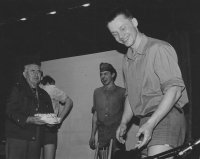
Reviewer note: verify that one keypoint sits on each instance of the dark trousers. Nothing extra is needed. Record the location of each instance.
(23, 149)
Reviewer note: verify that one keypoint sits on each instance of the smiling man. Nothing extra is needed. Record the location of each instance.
(107, 110)
(154, 84)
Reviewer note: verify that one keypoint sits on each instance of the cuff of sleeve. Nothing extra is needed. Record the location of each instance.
(174, 82)
(93, 110)
(22, 121)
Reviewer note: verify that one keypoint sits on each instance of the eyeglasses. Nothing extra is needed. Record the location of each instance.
(34, 72)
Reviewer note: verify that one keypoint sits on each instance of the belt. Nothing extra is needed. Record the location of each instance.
(150, 113)
(103, 148)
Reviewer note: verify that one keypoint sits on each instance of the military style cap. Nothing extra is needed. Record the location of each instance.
(106, 67)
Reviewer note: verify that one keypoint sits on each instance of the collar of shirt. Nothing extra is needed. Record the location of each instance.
(49, 86)
(131, 54)
(110, 89)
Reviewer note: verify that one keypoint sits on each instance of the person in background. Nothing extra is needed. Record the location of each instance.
(58, 98)
(24, 131)
(107, 111)
(154, 84)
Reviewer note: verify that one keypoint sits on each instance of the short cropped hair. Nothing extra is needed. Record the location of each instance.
(47, 79)
(27, 66)
(118, 11)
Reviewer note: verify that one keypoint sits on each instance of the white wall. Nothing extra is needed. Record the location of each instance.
(78, 77)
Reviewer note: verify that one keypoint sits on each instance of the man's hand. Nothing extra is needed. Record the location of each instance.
(92, 143)
(146, 130)
(35, 120)
(120, 133)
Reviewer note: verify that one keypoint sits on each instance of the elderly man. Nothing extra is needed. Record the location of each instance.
(107, 110)
(24, 131)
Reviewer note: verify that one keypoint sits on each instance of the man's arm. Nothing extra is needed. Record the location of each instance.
(13, 111)
(66, 109)
(169, 99)
(127, 115)
(94, 130)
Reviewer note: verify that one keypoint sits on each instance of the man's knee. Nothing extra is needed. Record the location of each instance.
(156, 149)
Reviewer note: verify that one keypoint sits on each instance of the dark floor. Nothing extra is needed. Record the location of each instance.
(2, 152)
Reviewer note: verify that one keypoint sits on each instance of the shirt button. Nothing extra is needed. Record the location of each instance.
(33, 138)
(18, 120)
(105, 115)
(36, 109)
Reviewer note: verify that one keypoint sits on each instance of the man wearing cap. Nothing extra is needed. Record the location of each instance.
(107, 110)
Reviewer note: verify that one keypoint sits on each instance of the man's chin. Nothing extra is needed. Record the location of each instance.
(105, 84)
(35, 82)
(128, 44)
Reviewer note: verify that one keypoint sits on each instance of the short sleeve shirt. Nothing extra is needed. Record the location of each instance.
(56, 95)
(149, 72)
(109, 104)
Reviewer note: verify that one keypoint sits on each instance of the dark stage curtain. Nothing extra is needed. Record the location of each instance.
(180, 41)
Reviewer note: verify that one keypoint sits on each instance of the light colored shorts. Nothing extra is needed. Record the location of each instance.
(170, 131)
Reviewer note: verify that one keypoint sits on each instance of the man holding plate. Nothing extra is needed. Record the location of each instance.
(25, 132)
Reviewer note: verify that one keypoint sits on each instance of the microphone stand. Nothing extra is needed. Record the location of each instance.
(178, 151)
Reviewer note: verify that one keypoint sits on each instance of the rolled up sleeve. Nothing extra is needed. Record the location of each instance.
(167, 69)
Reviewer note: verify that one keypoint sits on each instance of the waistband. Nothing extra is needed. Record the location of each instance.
(103, 148)
(150, 113)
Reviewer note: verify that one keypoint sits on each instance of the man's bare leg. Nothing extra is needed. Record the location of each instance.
(154, 150)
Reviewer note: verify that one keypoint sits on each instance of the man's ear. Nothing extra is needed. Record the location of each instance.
(113, 75)
(24, 74)
(135, 22)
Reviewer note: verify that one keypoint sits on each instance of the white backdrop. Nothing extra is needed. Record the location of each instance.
(78, 77)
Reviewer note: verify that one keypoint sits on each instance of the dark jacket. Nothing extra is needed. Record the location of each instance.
(20, 105)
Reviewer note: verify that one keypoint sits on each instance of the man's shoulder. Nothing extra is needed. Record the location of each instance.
(19, 87)
(158, 42)
(98, 89)
(42, 91)
(49, 87)
(118, 88)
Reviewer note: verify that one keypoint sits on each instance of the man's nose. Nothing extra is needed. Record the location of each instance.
(121, 36)
(36, 74)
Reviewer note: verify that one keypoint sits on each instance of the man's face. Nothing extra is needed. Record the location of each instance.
(33, 74)
(124, 30)
(106, 77)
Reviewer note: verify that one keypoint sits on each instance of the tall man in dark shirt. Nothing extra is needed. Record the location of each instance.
(107, 110)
